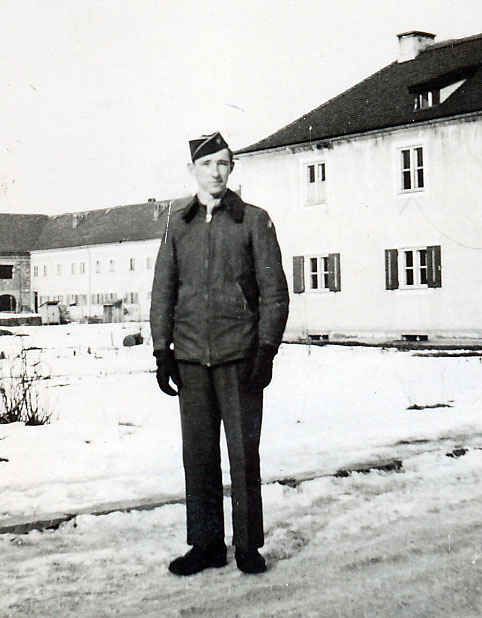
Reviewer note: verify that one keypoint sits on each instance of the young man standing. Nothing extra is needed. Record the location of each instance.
(220, 298)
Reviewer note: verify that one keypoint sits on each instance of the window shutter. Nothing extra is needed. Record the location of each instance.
(334, 275)
(434, 266)
(298, 274)
(391, 269)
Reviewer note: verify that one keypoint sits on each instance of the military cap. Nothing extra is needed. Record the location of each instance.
(206, 145)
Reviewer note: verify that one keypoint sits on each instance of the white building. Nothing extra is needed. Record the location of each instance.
(93, 259)
(376, 197)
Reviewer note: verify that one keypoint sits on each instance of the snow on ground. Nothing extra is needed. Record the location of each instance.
(382, 544)
(406, 545)
(115, 436)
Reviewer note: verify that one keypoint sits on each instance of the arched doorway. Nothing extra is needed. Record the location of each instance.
(8, 302)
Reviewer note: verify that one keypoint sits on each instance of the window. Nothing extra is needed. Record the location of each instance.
(97, 266)
(148, 263)
(411, 268)
(435, 94)
(315, 183)
(324, 273)
(6, 271)
(59, 269)
(132, 264)
(111, 266)
(131, 297)
(82, 268)
(426, 99)
(35, 271)
(319, 273)
(73, 268)
(412, 176)
(45, 270)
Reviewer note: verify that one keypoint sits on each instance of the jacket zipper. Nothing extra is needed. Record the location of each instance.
(209, 223)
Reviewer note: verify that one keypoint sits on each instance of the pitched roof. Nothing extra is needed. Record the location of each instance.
(107, 225)
(19, 233)
(386, 98)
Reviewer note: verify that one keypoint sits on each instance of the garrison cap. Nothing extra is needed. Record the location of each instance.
(206, 145)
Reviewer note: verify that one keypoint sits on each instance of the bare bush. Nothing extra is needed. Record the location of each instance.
(19, 394)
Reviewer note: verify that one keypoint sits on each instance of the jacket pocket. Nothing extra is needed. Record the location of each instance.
(249, 292)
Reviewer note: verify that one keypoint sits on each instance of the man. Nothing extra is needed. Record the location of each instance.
(220, 297)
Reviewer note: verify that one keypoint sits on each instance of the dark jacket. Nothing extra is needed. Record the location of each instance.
(219, 289)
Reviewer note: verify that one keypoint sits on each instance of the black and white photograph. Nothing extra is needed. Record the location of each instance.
(240, 309)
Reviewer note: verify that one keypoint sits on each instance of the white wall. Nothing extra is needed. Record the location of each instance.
(365, 213)
(121, 281)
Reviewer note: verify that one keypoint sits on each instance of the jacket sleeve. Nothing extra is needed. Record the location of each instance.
(164, 293)
(271, 280)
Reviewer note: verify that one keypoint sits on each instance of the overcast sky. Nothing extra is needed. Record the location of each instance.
(99, 97)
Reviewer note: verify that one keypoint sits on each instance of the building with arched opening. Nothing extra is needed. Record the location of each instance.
(18, 235)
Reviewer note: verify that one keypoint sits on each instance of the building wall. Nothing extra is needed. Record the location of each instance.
(19, 285)
(107, 275)
(366, 213)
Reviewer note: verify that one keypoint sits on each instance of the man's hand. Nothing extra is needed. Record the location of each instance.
(261, 368)
(167, 368)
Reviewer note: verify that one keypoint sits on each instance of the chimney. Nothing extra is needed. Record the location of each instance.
(412, 43)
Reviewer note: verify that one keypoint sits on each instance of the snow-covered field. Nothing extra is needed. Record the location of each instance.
(378, 544)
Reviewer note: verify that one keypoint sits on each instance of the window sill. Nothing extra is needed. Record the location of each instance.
(416, 290)
(410, 192)
(321, 291)
(310, 204)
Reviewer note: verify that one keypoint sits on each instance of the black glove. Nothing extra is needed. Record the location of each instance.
(262, 367)
(167, 368)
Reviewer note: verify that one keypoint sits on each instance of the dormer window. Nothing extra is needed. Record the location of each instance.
(77, 219)
(438, 91)
(426, 99)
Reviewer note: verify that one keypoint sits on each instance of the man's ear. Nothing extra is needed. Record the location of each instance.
(232, 165)
(190, 167)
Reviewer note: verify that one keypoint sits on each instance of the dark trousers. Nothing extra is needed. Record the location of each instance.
(208, 396)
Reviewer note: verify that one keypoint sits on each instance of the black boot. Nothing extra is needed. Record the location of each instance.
(199, 558)
(250, 561)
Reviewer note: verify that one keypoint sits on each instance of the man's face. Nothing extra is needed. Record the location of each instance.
(212, 172)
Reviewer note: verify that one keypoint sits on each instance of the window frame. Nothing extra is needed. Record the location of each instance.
(413, 169)
(319, 168)
(416, 268)
(10, 269)
(322, 273)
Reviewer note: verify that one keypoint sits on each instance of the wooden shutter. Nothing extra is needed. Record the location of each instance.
(298, 274)
(391, 269)
(334, 275)
(434, 266)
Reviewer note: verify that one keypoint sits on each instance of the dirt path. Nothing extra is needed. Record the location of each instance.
(380, 545)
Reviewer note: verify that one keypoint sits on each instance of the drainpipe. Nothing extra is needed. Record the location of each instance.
(89, 287)
(20, 287)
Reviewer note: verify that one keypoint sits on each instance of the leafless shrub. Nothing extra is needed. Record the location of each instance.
(19, 393)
